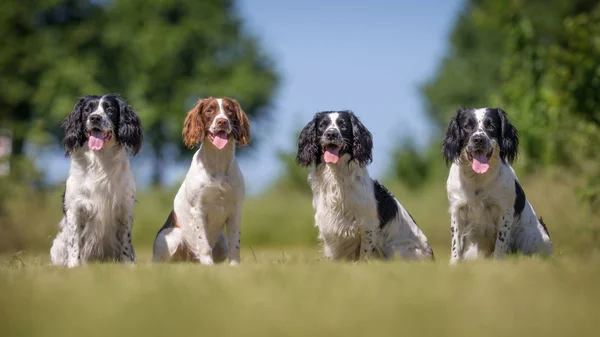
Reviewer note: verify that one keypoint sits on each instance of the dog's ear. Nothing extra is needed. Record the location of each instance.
(509, 138)
(74, 128)
(129, 132)
(452, 145)
(308, 149)
(241, 132)
(362, 148)
(194, 130)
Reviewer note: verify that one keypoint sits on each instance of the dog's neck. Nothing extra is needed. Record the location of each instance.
(338, 180)
(104, 166)
(215, 160)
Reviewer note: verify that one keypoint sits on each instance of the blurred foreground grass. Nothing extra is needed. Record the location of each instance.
(294, 293)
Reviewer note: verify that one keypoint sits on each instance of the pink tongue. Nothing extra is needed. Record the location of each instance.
(480, 162)
(220, 140)
(331, 155)
(96, 141)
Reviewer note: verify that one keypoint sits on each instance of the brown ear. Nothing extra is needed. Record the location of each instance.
(193, 126)
(242, 136)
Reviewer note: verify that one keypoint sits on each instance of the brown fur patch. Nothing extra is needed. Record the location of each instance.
(199, 119)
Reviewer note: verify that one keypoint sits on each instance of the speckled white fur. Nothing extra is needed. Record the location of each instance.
(99, 201)
(346, 216)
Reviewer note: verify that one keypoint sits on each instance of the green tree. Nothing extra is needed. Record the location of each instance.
(163, 55)
(46, 60)
(160, 55)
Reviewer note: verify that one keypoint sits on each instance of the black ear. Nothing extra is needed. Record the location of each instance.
(129, 132)
(308, 149)
(509, 140)
(452, 145)
(74, 128)
(362, 148)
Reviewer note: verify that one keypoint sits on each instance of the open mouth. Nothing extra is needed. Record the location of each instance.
(331, 153)
(219, 139)
(479, 160)
(97, 138)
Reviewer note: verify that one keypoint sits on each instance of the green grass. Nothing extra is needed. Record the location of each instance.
(284, 288)
(295, 293)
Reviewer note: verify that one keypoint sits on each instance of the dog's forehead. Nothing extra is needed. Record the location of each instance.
(109, 101)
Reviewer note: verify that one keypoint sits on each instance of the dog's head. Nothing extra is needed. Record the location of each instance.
(480, 137)
(330, 135)
(218, 120)
(102, 121)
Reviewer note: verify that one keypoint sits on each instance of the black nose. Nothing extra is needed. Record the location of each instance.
(478, 139)
(331, 134)
(95, 118)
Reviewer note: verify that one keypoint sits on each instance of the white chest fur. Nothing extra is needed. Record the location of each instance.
(344, 204)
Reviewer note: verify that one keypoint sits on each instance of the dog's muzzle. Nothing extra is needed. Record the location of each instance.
(331, 143)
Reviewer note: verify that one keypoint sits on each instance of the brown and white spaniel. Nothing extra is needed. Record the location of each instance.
(210, 198)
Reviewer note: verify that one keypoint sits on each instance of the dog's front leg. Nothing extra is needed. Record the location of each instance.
(368, 242)
(127, 254)
(456, 237)
(203, 250)
(233, 236)
(504, 225)
(73, 238)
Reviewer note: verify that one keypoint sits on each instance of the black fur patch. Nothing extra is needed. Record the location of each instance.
(544, 225)
(64, 206)
(520, 199)
(387, 208)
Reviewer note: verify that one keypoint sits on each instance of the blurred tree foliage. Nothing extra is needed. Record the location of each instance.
(160, 55)
(540, 61)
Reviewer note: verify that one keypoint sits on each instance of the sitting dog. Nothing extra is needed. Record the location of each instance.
(357, 217)
(100, 191)
(210, 198)
(490, 215)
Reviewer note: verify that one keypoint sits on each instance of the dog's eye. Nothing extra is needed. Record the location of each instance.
(88, 109)
(209, 111)
(468, 126)
(110, 110)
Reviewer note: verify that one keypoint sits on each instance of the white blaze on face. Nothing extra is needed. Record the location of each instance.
(332, 152)
(218, 137)
(97, 137)
(480, 162)
(480, 115)
(334, 117)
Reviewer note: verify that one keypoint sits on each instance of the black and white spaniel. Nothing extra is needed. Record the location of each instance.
(490, 215)
(100, 191)
(357, 217)
(210, 198)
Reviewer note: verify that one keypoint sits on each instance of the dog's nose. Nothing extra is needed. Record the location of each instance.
(478, 139)
(95, 118)
(330, 135)
(222, 122)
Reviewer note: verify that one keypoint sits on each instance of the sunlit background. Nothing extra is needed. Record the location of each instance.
(403, 67)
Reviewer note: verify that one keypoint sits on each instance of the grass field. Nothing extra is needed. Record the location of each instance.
(284, 288)
(295, 294)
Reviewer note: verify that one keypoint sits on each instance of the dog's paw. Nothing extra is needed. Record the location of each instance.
(207, 260)
(234, 263)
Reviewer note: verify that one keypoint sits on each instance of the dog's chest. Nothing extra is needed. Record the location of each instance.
(480, 214)
(217, 198)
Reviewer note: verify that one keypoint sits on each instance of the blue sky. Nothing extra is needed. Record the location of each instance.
(366, 56)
